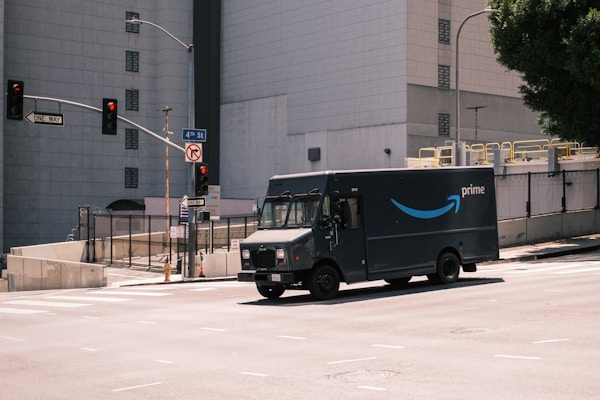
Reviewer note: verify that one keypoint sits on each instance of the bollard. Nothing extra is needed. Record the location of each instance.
(11, 282)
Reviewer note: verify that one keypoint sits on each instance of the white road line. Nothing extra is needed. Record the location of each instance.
(378, 389)
(532, 270)
(137, 387)
(14, 339)
(208, 289)
(254, 374)
(146, 322)
(164, 361)
(550, 341)
(91, 298)
(576, 271)
(517, 357)
(351, 360)
(133, 293)
(19, 311)
(38, 303)
(387, 346)
(213, 329)
(291, 337)
(89, 349)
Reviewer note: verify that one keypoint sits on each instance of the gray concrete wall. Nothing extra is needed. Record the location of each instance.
(30, 273)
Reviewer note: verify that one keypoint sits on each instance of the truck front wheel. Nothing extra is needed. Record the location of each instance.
(324, 282)
(448, 268)
(270, 291)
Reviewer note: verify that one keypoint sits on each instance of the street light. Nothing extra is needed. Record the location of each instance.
(191, 117)
(460, 154)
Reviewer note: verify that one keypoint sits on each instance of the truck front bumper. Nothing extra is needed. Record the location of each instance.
(266, 277)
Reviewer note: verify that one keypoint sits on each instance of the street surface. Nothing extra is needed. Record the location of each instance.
(525, 330)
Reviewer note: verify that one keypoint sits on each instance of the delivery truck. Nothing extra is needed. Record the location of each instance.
(318, 229)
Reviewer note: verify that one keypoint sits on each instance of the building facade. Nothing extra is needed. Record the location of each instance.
(281, 86)
(344, 84)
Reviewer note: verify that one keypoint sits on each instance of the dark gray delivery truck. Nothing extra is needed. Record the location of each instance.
(322, 228)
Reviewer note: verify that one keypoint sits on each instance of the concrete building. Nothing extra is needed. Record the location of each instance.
(333, 84)
(281, 86)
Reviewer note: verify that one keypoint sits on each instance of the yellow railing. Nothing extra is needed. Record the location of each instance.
(510, 152)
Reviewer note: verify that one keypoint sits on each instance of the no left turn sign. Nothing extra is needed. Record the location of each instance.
(193, 152)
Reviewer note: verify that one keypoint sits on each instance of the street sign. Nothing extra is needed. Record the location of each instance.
(194, 135)
(193, 152)
(196, 202)
(45, 118)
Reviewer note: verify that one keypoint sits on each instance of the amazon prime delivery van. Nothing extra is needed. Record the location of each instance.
(319, 229)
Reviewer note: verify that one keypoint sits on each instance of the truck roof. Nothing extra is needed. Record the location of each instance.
(366, 170)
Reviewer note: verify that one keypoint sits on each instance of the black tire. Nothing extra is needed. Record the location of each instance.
(448, 269)
(399, 282)
(270, 291)
(324, 282)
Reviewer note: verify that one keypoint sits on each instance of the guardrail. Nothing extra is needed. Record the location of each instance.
(510, 152)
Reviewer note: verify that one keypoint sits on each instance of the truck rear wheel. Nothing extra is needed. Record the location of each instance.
(324, 282)
(270, 291)
(448, 268)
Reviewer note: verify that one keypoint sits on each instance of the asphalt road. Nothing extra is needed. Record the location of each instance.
(517, 330)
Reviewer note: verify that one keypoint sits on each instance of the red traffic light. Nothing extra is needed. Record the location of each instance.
(14, 100)
(112, 106)
(203, 171)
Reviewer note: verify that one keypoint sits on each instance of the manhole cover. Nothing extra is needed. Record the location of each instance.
(363, 375)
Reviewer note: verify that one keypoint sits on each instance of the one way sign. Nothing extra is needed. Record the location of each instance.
(45, 118)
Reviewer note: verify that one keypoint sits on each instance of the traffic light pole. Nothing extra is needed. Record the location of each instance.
(129, 122)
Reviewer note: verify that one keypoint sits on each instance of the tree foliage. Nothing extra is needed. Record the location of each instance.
(555, 45)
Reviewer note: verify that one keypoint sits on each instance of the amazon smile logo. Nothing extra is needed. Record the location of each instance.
(453, 203)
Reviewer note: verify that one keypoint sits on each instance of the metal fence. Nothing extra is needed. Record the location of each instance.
(537, 193)
(148, 239)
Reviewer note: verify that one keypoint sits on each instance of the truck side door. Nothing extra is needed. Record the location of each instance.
(349, 237)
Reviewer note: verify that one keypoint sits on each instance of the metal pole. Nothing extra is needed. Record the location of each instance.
(476, 108)
(456, 67)
(168, 220)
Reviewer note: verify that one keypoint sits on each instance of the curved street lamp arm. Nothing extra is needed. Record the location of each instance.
(189, 47)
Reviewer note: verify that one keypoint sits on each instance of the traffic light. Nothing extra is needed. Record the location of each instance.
(14, 100)
(109, 116)
(201, 180)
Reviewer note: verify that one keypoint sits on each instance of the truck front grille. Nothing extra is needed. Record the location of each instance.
(264, 259)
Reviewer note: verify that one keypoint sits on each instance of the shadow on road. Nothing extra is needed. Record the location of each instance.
(370, 293)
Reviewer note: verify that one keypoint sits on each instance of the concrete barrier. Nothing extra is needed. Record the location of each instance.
(30, 273)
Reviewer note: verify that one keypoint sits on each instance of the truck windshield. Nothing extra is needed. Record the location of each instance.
(303, 210)
(274, 211)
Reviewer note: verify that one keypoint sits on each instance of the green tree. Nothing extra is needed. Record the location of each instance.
(555, 45)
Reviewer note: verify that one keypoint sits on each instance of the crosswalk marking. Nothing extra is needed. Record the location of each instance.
(37, 303)
(4, 310)
(133, 293)
(92, 298)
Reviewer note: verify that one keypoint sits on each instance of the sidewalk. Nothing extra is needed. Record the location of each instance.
(123, 276)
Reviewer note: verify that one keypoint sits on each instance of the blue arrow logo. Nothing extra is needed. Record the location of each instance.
(429, 214)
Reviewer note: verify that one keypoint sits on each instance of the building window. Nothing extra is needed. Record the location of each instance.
(132, 61)
(132, 100)
(131, 139)
(444, 124)
(131, 28)
(131, 178)
(444, 31)
(444, 76)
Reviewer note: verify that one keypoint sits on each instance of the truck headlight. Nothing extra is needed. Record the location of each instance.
(280, 254)
(246, 254)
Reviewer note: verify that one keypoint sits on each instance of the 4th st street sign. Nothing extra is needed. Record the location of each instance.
(45, 118)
